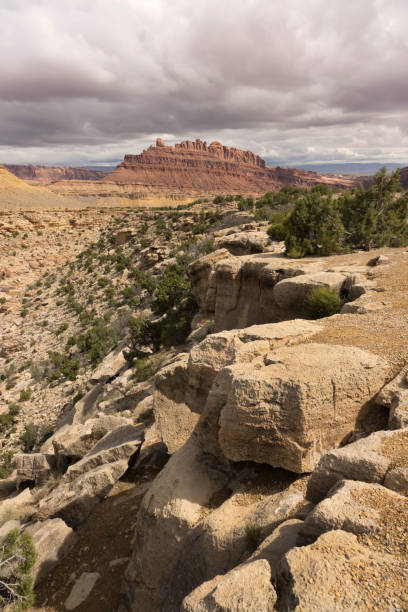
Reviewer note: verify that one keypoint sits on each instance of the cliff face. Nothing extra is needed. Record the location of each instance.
(50, 174)
(210, 168)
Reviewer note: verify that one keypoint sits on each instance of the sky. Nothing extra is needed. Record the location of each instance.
(298, 81)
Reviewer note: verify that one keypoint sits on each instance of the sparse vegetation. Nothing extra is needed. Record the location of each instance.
(17, 557)
(322, 224)
(322, 302)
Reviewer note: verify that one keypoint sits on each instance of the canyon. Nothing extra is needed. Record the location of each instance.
(245, 469)
(177, 433)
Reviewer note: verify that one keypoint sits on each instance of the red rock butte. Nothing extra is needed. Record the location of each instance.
(195, 166)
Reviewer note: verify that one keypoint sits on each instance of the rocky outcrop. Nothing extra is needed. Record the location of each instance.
(50, 174)
(294, 392)
(182, 387)
(34, 468)
(89, 480)
(239, 291)
(202, 168)
(174, 504)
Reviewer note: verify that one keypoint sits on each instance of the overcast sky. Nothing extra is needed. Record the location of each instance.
(297, 80)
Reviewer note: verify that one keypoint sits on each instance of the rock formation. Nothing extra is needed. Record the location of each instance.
(50, 174)
(214, 168)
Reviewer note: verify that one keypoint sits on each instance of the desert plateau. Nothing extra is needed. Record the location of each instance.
(203, 340)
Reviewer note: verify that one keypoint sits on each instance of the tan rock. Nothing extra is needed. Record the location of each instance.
(117, 445)
(202, 277)
(81, 589)
(227, 535)
(110, 366)
(183, 386)
(53, 540)
(72, 442)
(175, 503)
(74, 501)
(244, 243)
(368, 460)
(361, 508)
(291, 293)
(247, 587)
(315, 392)
(337, 574)
(33, 467)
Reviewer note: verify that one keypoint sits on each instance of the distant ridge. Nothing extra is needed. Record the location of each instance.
(348, 168)
(51, 174)
(17, 194)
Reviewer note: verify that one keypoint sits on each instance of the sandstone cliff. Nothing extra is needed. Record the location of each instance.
(211, 168)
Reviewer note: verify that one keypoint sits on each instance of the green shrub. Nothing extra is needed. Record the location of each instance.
(60, 330)
(6, 459)
(145, 367)
(172, 288)
(7, 419)
(103, 281)
(97, 341)
(61, 365)
(17, 557)
(322, 302)
(29, 437)
(25, 395)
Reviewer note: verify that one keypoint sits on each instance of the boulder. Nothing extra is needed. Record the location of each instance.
(74, 500)
(81, 589)
(87, 406)
(175, 418)
(16, 505)
(118, 445)
(110, 366)
(202, 277)
(276, 545)
(247, 587)
(183, 386)
(53, 540)
(244, 243)
(380, 260)
(336, 573)
(123, 236)
(304, 401)
(72, 442)
(33, 467)
(369, 459)
(291, 293)
(397, 480)
(376, 514)
(394, 396)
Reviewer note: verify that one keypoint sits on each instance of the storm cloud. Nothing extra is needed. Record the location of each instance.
(86, 82)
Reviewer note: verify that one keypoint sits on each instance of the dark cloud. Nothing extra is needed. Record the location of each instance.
(86, 82)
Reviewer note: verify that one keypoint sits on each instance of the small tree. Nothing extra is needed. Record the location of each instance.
(314, 227)
(377, 216)
(17, 557)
